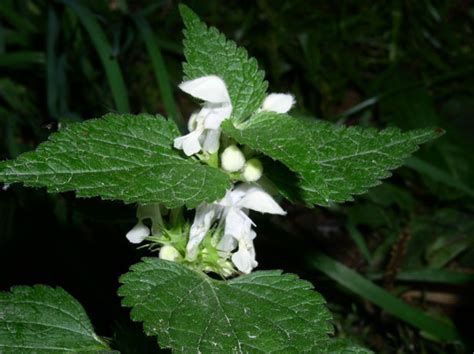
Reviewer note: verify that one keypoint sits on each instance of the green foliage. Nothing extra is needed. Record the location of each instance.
(209, 53)
(334, 162)
(264, 311)
(121, 157)
(43, 319)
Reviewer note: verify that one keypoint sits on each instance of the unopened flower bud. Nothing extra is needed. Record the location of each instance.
(232, 159)
(169, 253)
(253, 170)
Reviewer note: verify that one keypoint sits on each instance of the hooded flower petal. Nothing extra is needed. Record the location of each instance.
(207, 88)
(278, 102)
(215, 114)
(255, 198)
(205, 125)
(138, 233)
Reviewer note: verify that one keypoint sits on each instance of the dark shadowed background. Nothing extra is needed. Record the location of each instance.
(402, 63)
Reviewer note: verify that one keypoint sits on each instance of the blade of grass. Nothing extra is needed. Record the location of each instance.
(161, 73)
(359, 241)
(375, 294)
(437, 174)
(431, 276)
(13, 17)
(109, 62)
(21, 59)
(2, 39)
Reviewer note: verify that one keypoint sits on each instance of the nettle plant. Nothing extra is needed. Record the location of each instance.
(242, 152)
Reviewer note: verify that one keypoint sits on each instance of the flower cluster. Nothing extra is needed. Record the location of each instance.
(225, 222)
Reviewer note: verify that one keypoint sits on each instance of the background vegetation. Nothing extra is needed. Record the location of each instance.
(398, 63)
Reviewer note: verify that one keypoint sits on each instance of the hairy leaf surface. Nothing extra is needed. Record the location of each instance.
(42, 319)
(332, 163)
(265, 311)
(122, 157)
(209, 53)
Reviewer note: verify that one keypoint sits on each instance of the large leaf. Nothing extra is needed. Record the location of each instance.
(331, 162)
(40, 318)
(265, 311)
(124, 157)
(209, 53)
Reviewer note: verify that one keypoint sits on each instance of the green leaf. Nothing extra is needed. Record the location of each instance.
(124, 157)
(332, 162)
(209, 53)
(265, 311)
(41, 318)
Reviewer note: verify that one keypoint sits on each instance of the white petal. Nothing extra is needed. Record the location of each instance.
(244, 258)
(189, 143)
(138, 233)
(192, 122)
(278, 102)
(207, 88)
(227, 243)
(212, 140)
(257, 199)
(215, 115)
(205, 215)
(237, 224)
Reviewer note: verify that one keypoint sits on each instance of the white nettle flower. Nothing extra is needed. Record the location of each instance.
(205, 125)
(206, 214)
(238, 226)
(140, 231)
(278, 102)
(233, 211)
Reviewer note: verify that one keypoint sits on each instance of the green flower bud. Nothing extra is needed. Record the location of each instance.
(232, 159)
(253, 170)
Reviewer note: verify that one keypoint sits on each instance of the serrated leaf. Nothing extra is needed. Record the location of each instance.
(332, 162)
(42, 319)
(208, 52)
(123, 157)
(265, 311)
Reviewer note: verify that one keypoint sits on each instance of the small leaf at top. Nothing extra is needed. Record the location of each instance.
(265, 311)
(331, 163)
(42, 319)
(209, 53)
(122, 157)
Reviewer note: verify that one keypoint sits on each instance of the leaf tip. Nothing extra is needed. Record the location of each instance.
(187, 14)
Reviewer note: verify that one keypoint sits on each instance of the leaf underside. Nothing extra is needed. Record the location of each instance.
(331, 163)
(42, 319)
(122, 157)
(208, 52)
(265, 311)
